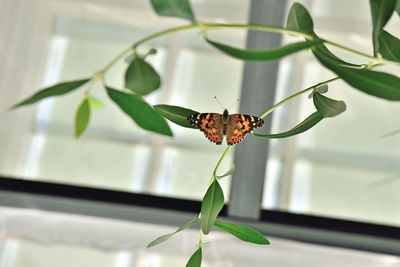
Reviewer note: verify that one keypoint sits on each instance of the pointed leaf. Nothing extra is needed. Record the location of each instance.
(303, 126)
(229, 172)
(167, 236)
(211, 205)
(141, 78)
(82, 117)
(381, 11)
(174, 8)
(195, 259)
(389, 46)
(263, 55)
(300, 20)
(95, 103)
(243, 233)
(141, 112)
(328, 107)
(375, 83)
(176, 114)
(57, 89)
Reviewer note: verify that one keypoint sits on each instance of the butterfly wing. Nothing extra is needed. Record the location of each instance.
(210, 124)
(239, 125)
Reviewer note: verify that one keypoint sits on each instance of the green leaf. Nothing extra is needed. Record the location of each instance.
(57, 89)
(389, 46)
(195, 259)
(95, 103)
(82, 117)
(321, 89)
(141, 78)
(211, 205)
(263, 55)
(328, 107)
(398, 7)
(176, 114)
(300, 20)
(141, 112)
(381, 11)
(243, 233)
(229, 172)
(167, 236)
(174, 8)
(375, 83)
(303, 126)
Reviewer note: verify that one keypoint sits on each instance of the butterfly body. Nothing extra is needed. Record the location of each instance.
(215, 126)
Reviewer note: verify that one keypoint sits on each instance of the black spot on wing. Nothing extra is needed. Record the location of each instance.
(254, 122)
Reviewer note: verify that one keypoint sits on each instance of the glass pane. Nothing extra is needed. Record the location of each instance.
(344, 167)
(75, 41)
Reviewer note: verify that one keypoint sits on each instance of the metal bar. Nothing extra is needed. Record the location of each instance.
(258, 93)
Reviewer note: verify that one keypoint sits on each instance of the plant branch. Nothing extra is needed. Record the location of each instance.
(270, 110)
(207, 26)
(214, 174)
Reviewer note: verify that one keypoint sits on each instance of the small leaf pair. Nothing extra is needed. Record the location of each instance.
(82, 115)
(244, 233)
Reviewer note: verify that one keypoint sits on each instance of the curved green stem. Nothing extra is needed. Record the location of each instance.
(207, 26)
(115, 60)
(270, 110)
(214, 174)
(200, 237)
(257, 27)
(165, 32)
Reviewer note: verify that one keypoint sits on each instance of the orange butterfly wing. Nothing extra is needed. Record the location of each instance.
(239, 125)
(210, 124)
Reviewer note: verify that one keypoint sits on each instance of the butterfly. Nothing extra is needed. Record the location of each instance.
(215, 126)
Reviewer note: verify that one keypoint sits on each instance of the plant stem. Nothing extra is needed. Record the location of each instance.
(206, 26)
(165, 32)
(214, 174)
(295, 95)
(257, 27)
(115, 60)
(200, 237)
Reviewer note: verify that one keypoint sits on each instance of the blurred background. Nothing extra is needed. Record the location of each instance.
(341, 169)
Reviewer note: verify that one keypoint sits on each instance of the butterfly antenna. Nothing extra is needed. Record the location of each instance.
(234, 103)
(219, 102)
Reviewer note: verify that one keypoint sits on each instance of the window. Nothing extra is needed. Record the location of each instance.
(342, 169)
